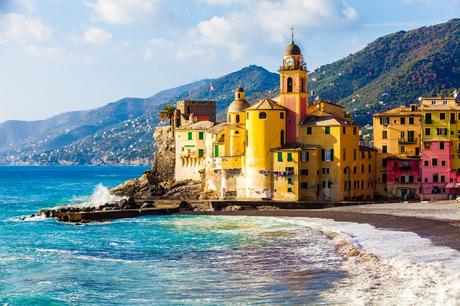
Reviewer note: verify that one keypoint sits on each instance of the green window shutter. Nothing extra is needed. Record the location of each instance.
(200, 135)
(289, 156)
(190, 136)
(289, 189)
(200, 152)
(216, 151)
(280, 156)
(327, 130)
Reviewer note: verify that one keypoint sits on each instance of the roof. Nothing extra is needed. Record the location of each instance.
(238, 106)
(399, 111)
(200, 125)
(217, 128)
(266, 104)
(324, 120)
(367, 148)
(239, 89)
(292, 49)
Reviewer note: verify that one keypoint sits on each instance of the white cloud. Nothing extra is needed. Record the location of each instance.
(260, 24)
(96, 36)
(22, 29)
(121, 11)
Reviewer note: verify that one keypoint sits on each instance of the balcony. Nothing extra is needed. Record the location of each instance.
(408, 141)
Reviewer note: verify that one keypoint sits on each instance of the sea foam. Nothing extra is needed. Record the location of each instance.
(388, 267)
(100, 196)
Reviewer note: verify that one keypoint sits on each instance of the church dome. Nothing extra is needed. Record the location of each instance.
(292, 49)
(239, 89)
(238, 106)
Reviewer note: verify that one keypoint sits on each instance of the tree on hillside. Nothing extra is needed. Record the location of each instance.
(167, 113)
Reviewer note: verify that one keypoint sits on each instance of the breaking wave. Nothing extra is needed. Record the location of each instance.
(387, 267)
(100, 196)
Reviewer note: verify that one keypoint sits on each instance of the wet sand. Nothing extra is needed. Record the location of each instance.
(439, 222)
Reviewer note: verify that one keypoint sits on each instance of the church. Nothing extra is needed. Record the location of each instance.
(284, 148)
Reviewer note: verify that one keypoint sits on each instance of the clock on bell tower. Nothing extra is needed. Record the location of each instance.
(293, 89)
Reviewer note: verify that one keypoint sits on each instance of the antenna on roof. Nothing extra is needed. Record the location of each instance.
(292, 34)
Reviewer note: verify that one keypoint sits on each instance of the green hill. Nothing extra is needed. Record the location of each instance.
(393, 70)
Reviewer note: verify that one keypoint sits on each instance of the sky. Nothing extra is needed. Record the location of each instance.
(64, 55)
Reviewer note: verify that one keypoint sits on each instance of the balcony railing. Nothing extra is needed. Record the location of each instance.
(408, 141)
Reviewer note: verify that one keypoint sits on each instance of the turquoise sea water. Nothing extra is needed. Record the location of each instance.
(166, 260)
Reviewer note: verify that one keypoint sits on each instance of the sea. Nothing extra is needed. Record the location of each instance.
(201, 260)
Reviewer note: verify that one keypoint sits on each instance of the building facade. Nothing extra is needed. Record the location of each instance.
(281, 148)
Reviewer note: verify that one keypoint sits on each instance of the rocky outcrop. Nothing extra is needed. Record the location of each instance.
(148, 186)
(165, 153)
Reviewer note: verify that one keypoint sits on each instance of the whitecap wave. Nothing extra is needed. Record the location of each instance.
(387, 267)
(100, 196)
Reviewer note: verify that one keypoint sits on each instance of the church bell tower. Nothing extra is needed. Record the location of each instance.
(293, 89)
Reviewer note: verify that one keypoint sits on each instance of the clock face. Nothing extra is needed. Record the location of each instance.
(289, 61)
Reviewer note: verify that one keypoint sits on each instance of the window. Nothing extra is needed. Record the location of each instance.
(289, 189)
(247, 116)
(410, 136)
(282, 137)
(441, 145)
(411, 120)
(329, 185)
(434, 162)
(190, 136)
(324, 184)
(200, 152)
(325, 170)
(354, 154)
(384, 178)
(417, 151)
(427, 131)
(442, 131)
(427, 145)
(362, 168)
(344, 154)
(305, 155)
(402, 149)
(354, 170)
(309, 130)
(384, 162)
(427, 163)
(384, 120)
(369, 169)
(304, 185)
(442, 116)
(354, 130)
(280, 156)
(262, 115)
(327, 130)
(428, 118)
(289, 84)
(237, 118)
(282, 115)
(289, 180)
(289, 169)
(384, 149)
(304, 172)
(435, 178)
(403, 135)
(216, 151)
(329, 155)
(200, 135)
(289, 156)
(443, 163)
(384, 135)
(402, 120)
(344, 130)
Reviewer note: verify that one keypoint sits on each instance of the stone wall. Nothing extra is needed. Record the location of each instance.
(165, 153)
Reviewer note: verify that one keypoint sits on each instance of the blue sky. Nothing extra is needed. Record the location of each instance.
(64, 55)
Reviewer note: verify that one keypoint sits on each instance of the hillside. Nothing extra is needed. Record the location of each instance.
(120, 132)
(392, 70)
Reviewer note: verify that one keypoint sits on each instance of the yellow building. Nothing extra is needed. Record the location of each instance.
(281, 148)
(396, 134)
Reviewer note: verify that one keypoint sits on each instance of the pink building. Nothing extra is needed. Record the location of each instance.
(438, 180)
(403, 178)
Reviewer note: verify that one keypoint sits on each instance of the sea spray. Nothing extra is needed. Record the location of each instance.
(100, 196)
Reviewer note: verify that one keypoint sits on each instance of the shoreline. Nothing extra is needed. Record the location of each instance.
(440, 232)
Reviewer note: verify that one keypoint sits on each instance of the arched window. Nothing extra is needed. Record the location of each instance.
(237, 133)
(239, 95)
(282, 137)
(262, 115)
(237, 118)
(289, 84)
(302, 84)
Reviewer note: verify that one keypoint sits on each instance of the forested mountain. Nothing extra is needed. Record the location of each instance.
(393, 70)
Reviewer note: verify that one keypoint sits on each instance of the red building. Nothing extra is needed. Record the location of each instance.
(403, 178)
